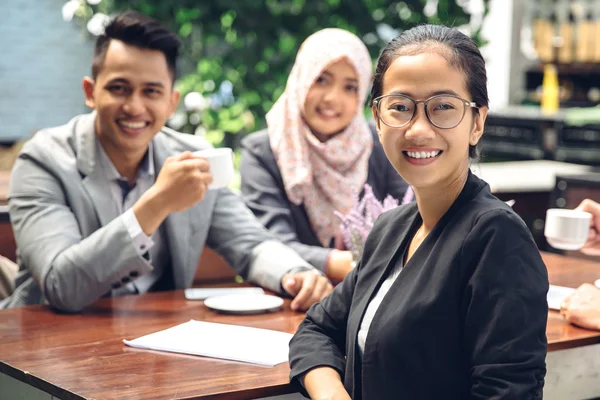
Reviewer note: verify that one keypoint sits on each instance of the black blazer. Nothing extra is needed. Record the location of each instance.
(465, 319)
(264, 193)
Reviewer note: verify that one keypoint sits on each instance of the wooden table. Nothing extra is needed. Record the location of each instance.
(573, 360)
(570, 272)
(82, 356)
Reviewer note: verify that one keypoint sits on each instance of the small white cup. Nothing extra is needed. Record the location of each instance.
(567, 229)
(221, 165)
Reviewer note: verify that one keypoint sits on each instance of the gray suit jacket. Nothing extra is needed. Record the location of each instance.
(73, 249)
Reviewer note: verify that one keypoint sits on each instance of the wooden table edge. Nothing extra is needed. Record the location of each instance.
(37, 382)
(573, 344)
(65, 394)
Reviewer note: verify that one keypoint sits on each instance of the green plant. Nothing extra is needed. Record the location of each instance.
(237, 53)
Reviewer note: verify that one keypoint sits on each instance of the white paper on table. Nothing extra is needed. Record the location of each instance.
(229, 342)
(556, 295)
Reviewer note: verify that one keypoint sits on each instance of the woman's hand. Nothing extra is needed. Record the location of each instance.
(324, 383)
(582, 308)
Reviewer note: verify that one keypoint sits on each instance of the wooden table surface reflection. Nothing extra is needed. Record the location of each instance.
(82, 356)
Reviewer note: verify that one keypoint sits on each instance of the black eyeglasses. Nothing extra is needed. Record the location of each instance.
(443, 111)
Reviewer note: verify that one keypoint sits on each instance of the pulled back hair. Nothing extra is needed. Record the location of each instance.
(137, 30)
(459, 50)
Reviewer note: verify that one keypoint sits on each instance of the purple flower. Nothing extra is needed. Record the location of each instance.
(359, 221)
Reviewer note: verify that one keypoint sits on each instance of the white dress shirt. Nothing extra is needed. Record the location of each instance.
(124, 196)
(374, 305)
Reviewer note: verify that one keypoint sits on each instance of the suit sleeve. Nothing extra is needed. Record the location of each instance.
(263, 195)
(505, 309)
(247, 246)
(72, 271)
(321, 338)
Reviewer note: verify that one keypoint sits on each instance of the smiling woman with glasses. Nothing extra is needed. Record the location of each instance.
(449, 298)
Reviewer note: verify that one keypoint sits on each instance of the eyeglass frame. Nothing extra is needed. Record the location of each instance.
(466, 103)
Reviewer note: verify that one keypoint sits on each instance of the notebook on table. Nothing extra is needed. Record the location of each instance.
(228, 342)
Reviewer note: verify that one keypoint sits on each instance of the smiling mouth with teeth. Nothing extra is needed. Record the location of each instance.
(133, 125)
(422, 154)
(327, 113)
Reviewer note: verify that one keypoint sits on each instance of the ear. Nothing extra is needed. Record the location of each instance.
(175, 96)
(88, 89)
(478, 126)
(377, 121)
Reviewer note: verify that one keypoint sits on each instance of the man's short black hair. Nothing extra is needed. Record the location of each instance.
(137, 30)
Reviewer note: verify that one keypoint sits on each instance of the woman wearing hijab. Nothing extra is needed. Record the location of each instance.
(317, 152)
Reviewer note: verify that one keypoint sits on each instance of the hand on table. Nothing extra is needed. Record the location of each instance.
(582, 308)
(307, 287)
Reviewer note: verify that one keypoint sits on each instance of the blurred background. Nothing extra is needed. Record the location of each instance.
(237, 55)
(543, 56)
(236, 58)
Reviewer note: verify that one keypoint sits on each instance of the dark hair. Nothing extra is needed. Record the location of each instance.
(140, 31)
(459, 50)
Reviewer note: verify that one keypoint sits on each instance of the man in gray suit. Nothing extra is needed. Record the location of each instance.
(114, 203)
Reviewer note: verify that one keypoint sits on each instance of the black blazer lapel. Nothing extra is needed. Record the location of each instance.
(386, 247)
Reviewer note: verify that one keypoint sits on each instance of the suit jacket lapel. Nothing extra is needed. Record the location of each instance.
(94, 181)
(177, 226)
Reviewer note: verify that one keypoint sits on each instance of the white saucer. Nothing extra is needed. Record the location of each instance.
(244, 303)
(597, 283)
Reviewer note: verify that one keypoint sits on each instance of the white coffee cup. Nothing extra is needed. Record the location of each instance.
(221, 165)
(567, 229)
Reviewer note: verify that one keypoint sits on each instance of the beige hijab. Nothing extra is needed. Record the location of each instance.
(324, 177)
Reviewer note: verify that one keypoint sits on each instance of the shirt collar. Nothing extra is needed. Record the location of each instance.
(146, 167)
